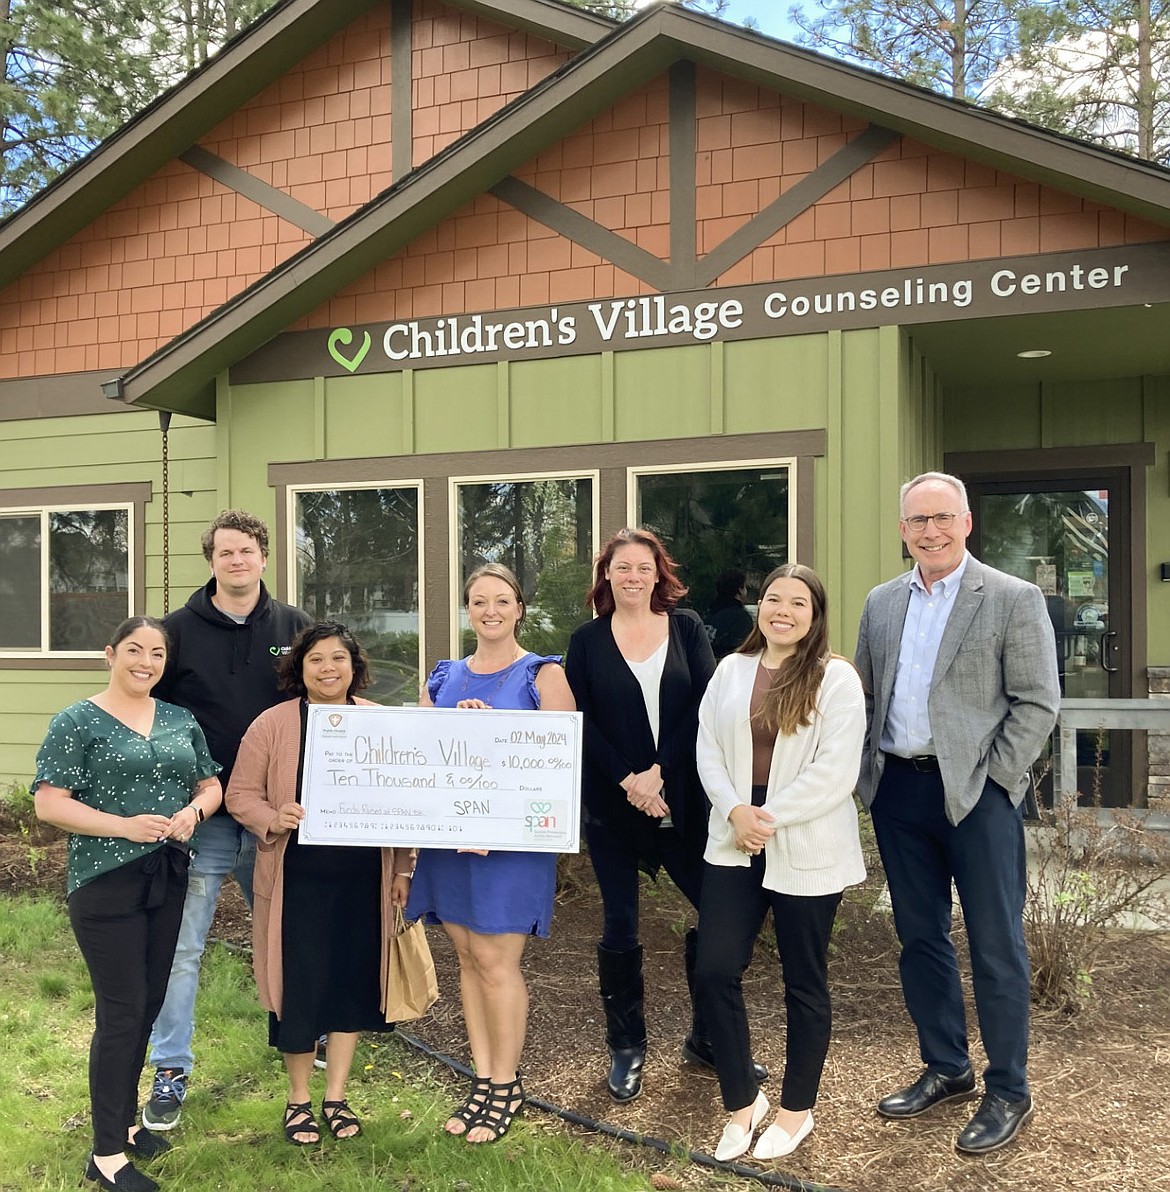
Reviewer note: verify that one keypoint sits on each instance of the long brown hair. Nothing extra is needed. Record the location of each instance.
(791, 700)
(668, 588)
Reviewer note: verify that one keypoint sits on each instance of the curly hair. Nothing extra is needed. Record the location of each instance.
(668, 588)
(290, 671)
(236, 519)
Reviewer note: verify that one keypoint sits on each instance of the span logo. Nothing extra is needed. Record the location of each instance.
(540, 816)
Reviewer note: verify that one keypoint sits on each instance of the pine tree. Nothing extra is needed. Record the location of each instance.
(77, 70)
(1102, 75)
(951, 46)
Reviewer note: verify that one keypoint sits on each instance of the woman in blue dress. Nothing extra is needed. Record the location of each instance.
(489, 903)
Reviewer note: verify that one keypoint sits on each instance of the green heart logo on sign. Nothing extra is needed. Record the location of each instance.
(541, 808)
(343, 335)
(274, 650)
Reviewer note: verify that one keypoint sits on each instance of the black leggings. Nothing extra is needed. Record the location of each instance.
(615, 862)
(126, 923)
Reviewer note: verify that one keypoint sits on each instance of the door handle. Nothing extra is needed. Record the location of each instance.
(1106, 646)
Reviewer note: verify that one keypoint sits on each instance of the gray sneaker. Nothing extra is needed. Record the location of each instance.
(165, 1106)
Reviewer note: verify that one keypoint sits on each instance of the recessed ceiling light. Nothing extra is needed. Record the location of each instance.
(1034, 354)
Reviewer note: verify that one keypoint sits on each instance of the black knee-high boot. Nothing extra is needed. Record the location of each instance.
(696, 1048)
(622, 994)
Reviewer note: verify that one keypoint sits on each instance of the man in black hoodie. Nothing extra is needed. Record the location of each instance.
(225, 645)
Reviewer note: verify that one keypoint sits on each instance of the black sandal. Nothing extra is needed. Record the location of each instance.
(498, 1113)
(298, 1119)
(339, 1116)
(472, 1106)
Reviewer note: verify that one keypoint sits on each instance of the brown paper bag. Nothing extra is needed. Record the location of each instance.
(411, 986)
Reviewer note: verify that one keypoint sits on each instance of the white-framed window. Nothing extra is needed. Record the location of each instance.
(719, 517)
(357, 558)
(543, 525)
(67, 577)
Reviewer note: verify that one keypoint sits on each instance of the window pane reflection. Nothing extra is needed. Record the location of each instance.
(715, 522)
(357, 562)
(542, 530)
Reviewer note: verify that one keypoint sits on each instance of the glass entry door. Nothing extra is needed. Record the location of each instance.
(1057, 534)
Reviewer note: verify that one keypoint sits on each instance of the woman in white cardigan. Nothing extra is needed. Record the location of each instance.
(780, 733)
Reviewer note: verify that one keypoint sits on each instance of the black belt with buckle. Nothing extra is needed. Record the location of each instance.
(924, 763)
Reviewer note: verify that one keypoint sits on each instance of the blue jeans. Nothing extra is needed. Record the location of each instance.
(224, 848)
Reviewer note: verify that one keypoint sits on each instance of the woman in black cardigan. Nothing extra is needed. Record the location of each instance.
(638, 672)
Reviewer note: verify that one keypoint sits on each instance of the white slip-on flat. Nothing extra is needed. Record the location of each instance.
(736, 1139)
(775, 1143)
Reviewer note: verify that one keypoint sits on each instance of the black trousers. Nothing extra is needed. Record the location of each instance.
(732, 912)
(616, 863)
(126, 923)
(984, 853)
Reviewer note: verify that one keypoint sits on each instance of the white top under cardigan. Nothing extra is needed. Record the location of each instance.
(816, 848)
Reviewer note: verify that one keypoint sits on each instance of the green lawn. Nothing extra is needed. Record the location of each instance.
(230, 1135)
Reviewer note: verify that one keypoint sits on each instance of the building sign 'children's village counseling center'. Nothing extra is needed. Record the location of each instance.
(426, 283)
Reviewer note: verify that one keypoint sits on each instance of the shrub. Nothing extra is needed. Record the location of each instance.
(1095, 871)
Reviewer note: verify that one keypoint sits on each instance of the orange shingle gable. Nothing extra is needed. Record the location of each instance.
(181, 244)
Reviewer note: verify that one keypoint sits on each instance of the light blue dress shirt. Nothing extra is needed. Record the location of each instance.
(907, 728)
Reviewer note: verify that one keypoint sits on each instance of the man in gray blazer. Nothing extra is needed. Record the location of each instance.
(959, 669)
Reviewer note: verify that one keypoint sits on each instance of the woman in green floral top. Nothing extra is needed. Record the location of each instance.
(129, 778)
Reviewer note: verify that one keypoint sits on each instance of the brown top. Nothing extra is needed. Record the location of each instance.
(763, 738)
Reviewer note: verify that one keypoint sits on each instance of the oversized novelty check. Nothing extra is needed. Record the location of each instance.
(442, 778)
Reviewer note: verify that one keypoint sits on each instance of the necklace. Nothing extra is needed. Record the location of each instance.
(500, 676)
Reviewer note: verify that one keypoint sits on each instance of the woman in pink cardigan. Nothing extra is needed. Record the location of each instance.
(322, 915)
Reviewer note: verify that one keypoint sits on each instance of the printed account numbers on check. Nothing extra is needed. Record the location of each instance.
(442, 778)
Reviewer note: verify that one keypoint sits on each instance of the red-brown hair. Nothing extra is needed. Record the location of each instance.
(668, 588)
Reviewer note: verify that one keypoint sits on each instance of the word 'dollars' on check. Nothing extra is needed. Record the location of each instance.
(442, 778)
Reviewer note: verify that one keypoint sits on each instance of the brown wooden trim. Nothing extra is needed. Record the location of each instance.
(135, 493)
(558, 23)
(435, 525)
(132, 492)
(401, 88)
(797, 199)
(683, 201)
(805, 503)
(61, 396)
(55, 662)
(582, 230)
(269, 198)
(1024, 463)
(520, 460)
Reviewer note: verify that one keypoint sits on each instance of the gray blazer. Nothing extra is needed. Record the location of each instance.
(994, 694)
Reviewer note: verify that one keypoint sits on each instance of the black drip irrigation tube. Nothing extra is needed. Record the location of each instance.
(771, 1179)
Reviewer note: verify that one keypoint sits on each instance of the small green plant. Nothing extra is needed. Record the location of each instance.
(17, 806)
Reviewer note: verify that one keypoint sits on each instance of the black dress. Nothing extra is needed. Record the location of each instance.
(330, 939)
